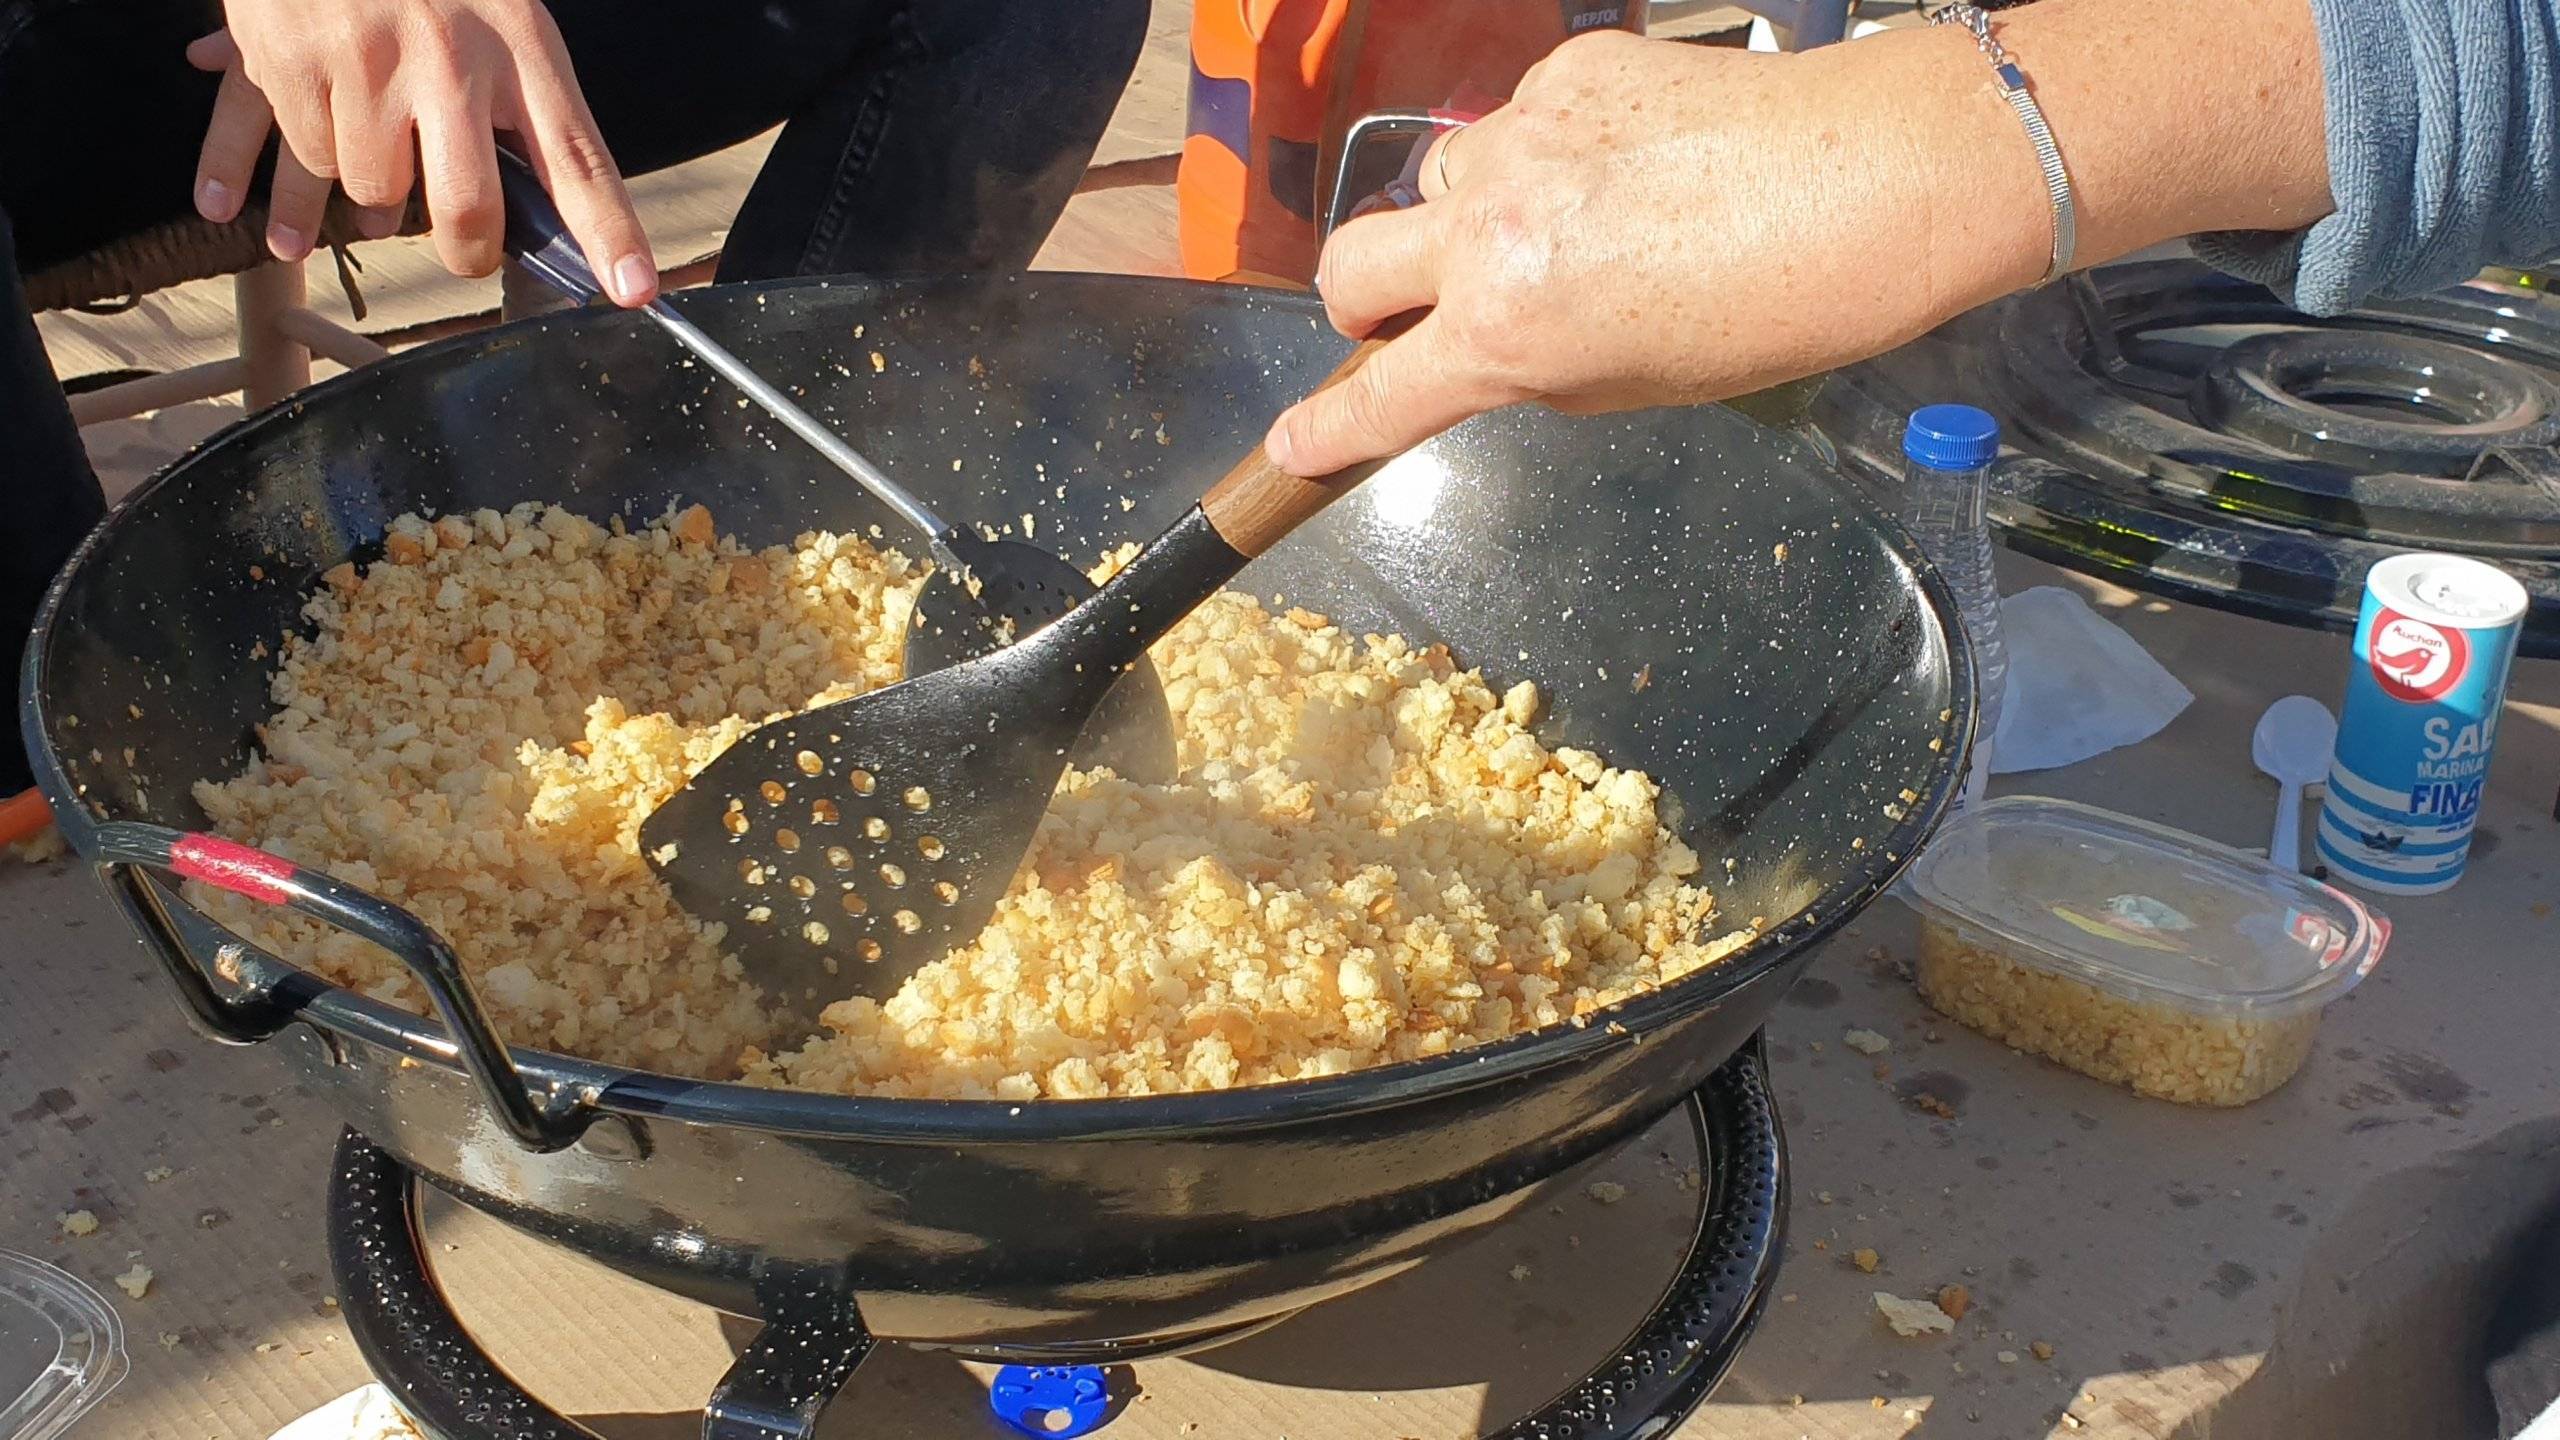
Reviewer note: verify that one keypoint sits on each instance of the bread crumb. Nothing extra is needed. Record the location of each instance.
(2007, 1357)
(79, 1223)
(171, 1339)
(269, 1347)
(156, 1174)
(1519, 1272)
(1955, 1300)
(1865, 1259)
(1266, 917)
(1912, 1317)
(2042, 1350)
(1866, 1042)
(2164, 1051)
(1607, 1192)
(135, 1282)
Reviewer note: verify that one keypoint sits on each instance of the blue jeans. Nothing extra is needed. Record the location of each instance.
(918, 135)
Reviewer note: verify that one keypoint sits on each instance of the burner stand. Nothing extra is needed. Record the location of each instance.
(2186, 433)
(814, 1338)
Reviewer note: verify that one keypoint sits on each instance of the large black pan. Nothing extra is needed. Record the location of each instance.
(1700, 597)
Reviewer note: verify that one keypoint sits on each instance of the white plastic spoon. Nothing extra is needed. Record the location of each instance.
(2292, 744)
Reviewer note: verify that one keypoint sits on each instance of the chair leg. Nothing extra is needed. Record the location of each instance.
(275, 363)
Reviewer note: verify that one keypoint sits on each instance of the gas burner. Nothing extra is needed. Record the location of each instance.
(2183, 432)
(814, 1338)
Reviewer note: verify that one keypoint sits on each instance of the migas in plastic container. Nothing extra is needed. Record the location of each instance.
(2132, 952)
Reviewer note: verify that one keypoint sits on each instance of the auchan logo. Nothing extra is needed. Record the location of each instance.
(2415, 661)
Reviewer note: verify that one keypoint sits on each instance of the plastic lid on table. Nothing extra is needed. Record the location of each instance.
(2144, 911)
(61, 1348)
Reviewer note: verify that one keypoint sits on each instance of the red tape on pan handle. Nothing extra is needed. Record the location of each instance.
(240, 869)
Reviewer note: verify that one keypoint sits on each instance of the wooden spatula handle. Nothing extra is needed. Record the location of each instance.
(1258, 502)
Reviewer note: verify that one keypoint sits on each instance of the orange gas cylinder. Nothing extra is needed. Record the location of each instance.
(1274, 84)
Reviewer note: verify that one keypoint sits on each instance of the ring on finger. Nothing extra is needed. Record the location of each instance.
(1440, 160)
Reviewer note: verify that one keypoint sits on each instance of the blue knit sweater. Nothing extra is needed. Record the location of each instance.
(2444, 152)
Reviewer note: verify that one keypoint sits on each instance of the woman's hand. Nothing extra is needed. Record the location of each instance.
(1652, 223)
(380, 95)
(1649, 223)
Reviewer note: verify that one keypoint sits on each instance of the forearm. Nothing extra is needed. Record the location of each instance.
(1649, 223)
(2173, 117)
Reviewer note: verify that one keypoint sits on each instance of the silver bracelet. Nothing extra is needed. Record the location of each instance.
(2013, 88)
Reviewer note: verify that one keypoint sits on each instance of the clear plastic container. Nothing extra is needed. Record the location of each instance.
(61, 1348)
(2132, 952)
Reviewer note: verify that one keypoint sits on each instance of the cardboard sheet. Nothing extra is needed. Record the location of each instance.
(2256, 1270)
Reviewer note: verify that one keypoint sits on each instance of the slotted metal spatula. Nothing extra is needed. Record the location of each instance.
(984, 591)
(848, 845)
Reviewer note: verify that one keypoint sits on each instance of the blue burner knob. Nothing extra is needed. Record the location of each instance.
(1026, 1396)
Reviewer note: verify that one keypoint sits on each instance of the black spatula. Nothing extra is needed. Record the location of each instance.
(848, 845)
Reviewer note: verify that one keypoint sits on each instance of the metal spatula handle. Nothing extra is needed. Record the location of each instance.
(1258, 502)
(540, 242)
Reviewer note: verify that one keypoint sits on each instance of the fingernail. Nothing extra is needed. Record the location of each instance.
(287, 242)
(1278, 445)
(633, 277)
(214, 201)
(378, 224)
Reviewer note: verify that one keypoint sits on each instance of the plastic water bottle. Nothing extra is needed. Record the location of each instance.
(1947, 452)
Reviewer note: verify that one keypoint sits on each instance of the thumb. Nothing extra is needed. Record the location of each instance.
(1411, 390)
(217, 51)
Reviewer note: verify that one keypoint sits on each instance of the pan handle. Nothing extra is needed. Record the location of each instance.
(230, 1019)
(539, 1123)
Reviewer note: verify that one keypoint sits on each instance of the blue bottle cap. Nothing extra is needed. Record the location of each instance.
(1951, 437)
(1026, 1397)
